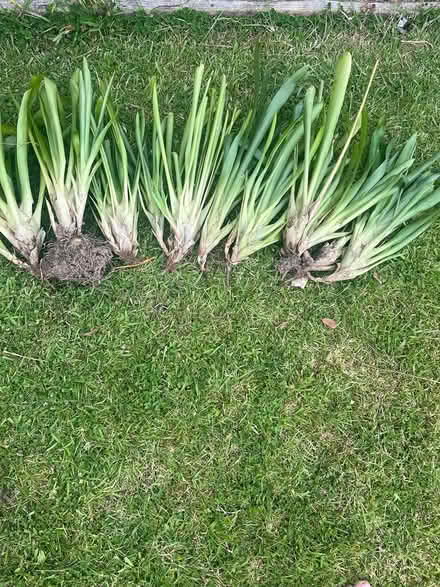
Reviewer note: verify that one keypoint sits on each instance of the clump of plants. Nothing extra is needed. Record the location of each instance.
(350, 211)
(69, 148)
(20, 209)
(339, 204)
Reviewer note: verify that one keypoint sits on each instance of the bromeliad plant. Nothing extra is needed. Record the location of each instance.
(20, 214)
(189, 174)
(68, 151)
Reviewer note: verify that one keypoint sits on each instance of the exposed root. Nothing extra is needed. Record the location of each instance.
(133, 265)
(171, 265)
(201, 259)
(296, 270)
(128, 260)
(328, 255)
(289, 263)
(81, 259)
(216, 260)
(178, 248)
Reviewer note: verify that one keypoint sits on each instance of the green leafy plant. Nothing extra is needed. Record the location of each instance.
(115, 188)
(326, 198)
(152, 186)
(342, 204)
(407, 207)
(190, 173)
(263, 210)
(68, 149)
(240, 155)
(20, 213)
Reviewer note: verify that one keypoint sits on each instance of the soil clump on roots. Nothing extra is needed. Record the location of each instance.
(293, 270)
(80, 259)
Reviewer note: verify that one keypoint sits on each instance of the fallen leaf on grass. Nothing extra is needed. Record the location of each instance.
(376, 277)
(329, 322)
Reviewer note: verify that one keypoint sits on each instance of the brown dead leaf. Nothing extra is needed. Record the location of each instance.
(283, 325)
(329, 322)
(376, 277)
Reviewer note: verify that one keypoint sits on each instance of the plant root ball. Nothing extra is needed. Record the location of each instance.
(81, 259)
(289, 263)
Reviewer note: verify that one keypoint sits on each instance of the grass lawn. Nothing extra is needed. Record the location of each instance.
(179, 429)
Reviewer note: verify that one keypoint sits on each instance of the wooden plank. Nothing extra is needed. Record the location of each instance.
(304, 7)
(286, 6)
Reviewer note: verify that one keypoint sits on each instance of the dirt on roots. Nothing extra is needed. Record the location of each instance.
(81, 259)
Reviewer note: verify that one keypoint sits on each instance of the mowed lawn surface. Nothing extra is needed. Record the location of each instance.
(187, 429)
